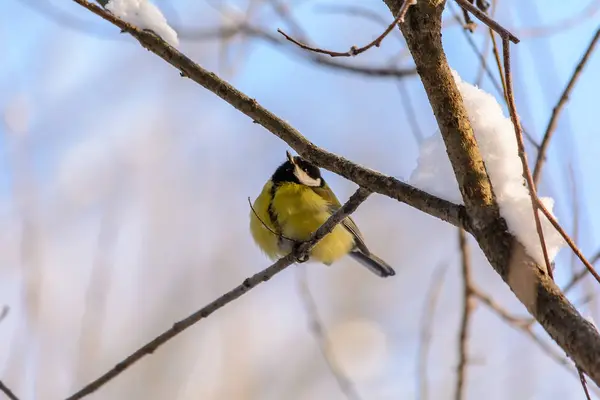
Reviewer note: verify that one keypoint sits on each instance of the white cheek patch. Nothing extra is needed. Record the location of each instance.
(305, 179)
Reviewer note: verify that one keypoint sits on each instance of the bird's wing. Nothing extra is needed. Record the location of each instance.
(334, 204)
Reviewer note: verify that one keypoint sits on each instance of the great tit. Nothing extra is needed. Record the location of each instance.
(293, 204)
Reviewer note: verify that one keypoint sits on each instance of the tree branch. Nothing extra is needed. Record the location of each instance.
(245, 28)
(564, 97)
(9, 393)
(364, 177)
(528, 280)
(354, 51)
(463, 336)
(428, 313)
(300, 252)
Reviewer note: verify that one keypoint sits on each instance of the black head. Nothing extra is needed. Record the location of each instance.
(298, 170)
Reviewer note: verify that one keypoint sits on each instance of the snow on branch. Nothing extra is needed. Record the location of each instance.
(495, 137)
(144, 15)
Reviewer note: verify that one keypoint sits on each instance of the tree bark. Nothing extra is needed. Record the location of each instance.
(529, 281)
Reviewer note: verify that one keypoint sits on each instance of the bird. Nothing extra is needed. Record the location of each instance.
(293, 204)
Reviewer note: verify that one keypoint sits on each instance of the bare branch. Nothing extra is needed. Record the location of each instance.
(564, 97)
(300, 252)
(579, 276)
(526, 278)
(367, 178)
(9, 393)
(569, 241)
(354, 51)
(316, 325)
(463, 336)
(427, 315)
(572, 21)
(522, 154)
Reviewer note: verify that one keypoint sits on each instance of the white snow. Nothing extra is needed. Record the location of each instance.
(144, 15)
(497, 143)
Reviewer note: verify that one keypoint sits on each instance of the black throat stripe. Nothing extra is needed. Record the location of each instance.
(271, 210)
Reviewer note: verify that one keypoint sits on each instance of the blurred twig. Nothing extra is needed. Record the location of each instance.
(551, 128)
(318, 330)
(4, 312)
(280, 42)
(300, 252)
(570, 22)
(409, 110)
(94, 315)
(433, 293)
(9, 393)
(463, 336)
(354, 51)
(578, 276)
(525, 325)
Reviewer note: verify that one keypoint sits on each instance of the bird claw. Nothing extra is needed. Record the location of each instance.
(300, 258)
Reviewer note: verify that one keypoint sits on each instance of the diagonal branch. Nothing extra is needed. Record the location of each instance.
(364, 177)
(527, 279)
(562, 101)
(300, 252)
(482, 16)
(9, 393)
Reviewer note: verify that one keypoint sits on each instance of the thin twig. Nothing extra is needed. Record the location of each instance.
(487, 20)
(9, 393)
(526, 326)
(496, 53)
(583, 383)
(571, 21)
(551, 128)
(300, 252)
(409, 110)
(579, 276)
(354, 51)
(522, 154)
(500, 87)
(576, 214)
(463, 337)
(523, 325)
(317, 328)
(427, 318)
(498, 61)
(569, 241)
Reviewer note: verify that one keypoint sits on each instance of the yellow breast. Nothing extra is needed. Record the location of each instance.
(298, 212)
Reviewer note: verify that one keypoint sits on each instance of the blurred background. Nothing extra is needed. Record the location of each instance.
(123, 205)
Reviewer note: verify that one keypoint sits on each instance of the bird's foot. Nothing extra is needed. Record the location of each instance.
(300, 256)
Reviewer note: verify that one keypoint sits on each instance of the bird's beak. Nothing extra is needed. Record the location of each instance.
(289, 157)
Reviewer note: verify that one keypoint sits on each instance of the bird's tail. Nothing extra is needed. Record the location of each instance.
(373, 263)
